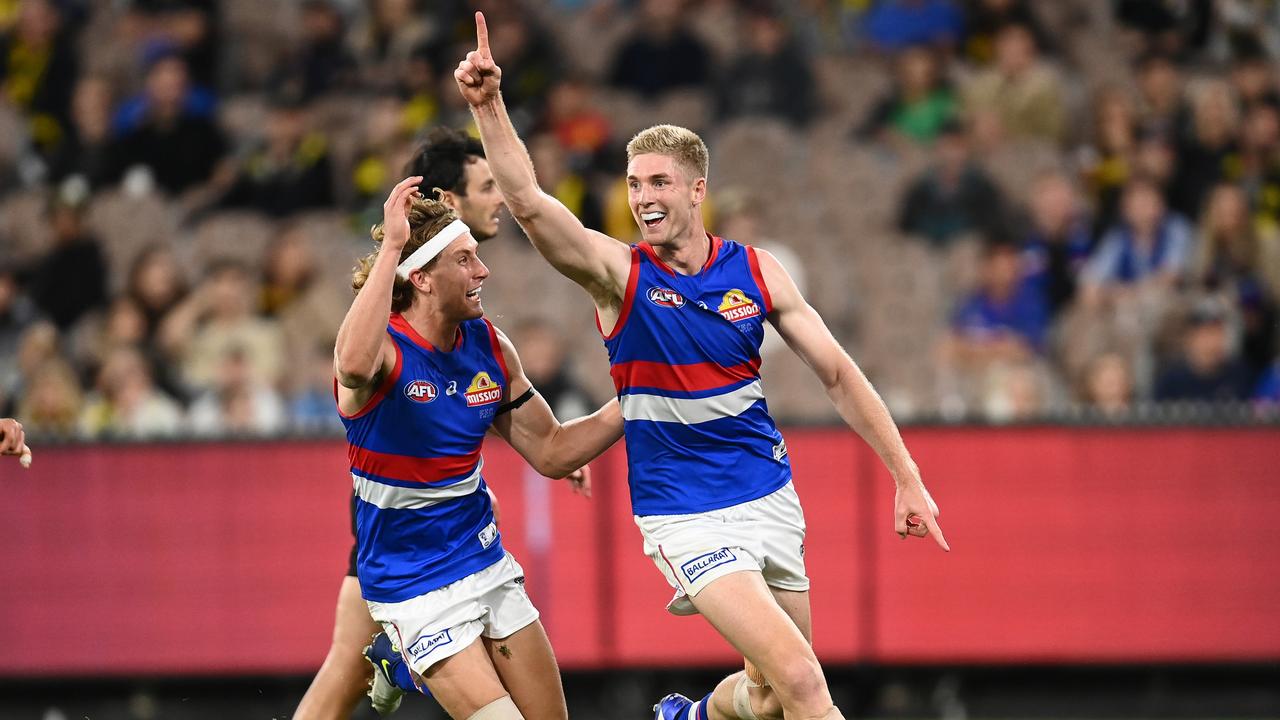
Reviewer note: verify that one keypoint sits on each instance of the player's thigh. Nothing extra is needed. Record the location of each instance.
(742, 609)
(352, 625)
(796, 605)
(527, 667)
(465, 681)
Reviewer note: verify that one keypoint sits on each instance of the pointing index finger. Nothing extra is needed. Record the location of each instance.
(482, 35)
(936, 531)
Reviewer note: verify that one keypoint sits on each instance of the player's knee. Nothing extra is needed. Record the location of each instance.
(799, 681)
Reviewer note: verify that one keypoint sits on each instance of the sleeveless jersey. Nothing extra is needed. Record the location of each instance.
(423, 515)
(685, 360)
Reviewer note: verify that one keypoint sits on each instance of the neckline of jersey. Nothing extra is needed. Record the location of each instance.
(715, 241)
(401, 324)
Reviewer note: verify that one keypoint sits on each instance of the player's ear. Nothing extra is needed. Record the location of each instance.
(699, 190)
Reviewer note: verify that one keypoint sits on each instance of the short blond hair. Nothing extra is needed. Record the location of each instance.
(682, 144)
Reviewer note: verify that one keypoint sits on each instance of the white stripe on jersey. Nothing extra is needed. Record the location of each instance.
(691, 411)
(394, 497)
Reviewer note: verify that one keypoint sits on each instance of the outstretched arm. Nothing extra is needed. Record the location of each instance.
(855, 399)
(595, 261)
(552, 448)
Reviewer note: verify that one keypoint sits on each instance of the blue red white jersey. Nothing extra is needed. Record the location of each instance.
(423, 514)
(685, 360)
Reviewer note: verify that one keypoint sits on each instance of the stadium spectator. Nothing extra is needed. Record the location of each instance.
(583, 131)
(287, 273)
(17, 314)
(1268, 389)
(1253, 77)
(156, 284)
(917, 107)
(569, 187)
(1018, 392)
(661, 55)
(1004, 320)
(217, 318)
(1208, 370)
(1165, 26)
(290, 171)
(953, 196)
(1242, 265)
(1058, 242)
(895, 24)
(310, 393)
(1108, 161)
(384, 149)
(322, 63)
(1162, 106)
(71, 278)
(239, 401)
(38, 68)
(419, 88)
(86, 150)
(175, 141)
(385, 39)
(1019, 91)
(1150, 244)
(189, 26)
(544, 355)
(770, 77)
(1207, 156)
(1108, 385)
(126, 403)
(534, 64)
(52, 401)
(983, 20)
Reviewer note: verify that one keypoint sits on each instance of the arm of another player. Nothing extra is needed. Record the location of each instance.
(553, 449)
(363, 350)
(595, 261)
(13, 441)
(856, 400)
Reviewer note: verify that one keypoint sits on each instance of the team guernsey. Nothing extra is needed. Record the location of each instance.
(685, 360)
(423, 516)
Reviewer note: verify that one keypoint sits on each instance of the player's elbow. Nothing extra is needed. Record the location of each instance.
(525, 205)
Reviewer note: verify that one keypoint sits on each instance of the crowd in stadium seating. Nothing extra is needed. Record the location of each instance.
(1006, 209)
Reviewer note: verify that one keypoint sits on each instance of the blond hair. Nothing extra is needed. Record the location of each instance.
(681, 144)
(426, 218)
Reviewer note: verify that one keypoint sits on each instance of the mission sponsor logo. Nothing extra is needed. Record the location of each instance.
(665, 297)
(427, 644)
(737, 306)
(696, 567)
(421, 391)
(482, 390)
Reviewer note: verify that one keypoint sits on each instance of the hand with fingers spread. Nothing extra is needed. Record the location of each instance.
(580, 481)
(914, 511)
(13, 441)
(478, 76)
(395, 214)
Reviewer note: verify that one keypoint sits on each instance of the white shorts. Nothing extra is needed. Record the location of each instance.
(765, 535)
(442, 623)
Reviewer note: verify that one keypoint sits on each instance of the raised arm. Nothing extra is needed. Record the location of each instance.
(363, 349)
(552, 448)
(595, 261)
(855, 399)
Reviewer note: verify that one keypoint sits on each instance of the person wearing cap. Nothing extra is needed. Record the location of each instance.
(1208, 370)
(421, 377)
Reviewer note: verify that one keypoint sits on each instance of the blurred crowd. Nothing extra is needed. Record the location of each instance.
(1007, 210)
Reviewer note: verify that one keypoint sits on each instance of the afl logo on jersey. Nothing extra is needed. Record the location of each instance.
(663, 297)
(483, 390)
(421, 391)
(737, 306)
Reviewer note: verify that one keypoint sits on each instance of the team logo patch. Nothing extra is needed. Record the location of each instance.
(488, 535)
(737, 306)
(427, 644)
(482, 390)
(696, 567)
(421, 391)
(665, 297)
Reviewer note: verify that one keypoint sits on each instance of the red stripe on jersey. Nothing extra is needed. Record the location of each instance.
(497, 351)
(688, 378)
(415, 469)
(628, 298)
(754, 262)
(378, 394)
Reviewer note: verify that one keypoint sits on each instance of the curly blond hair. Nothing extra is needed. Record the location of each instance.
(426, 218)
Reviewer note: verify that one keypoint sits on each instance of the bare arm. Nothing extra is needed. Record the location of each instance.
(363, 349)
(853, 396)
(595, 261)
(552, 448)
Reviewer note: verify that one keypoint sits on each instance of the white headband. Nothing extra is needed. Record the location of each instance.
(431, 248)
